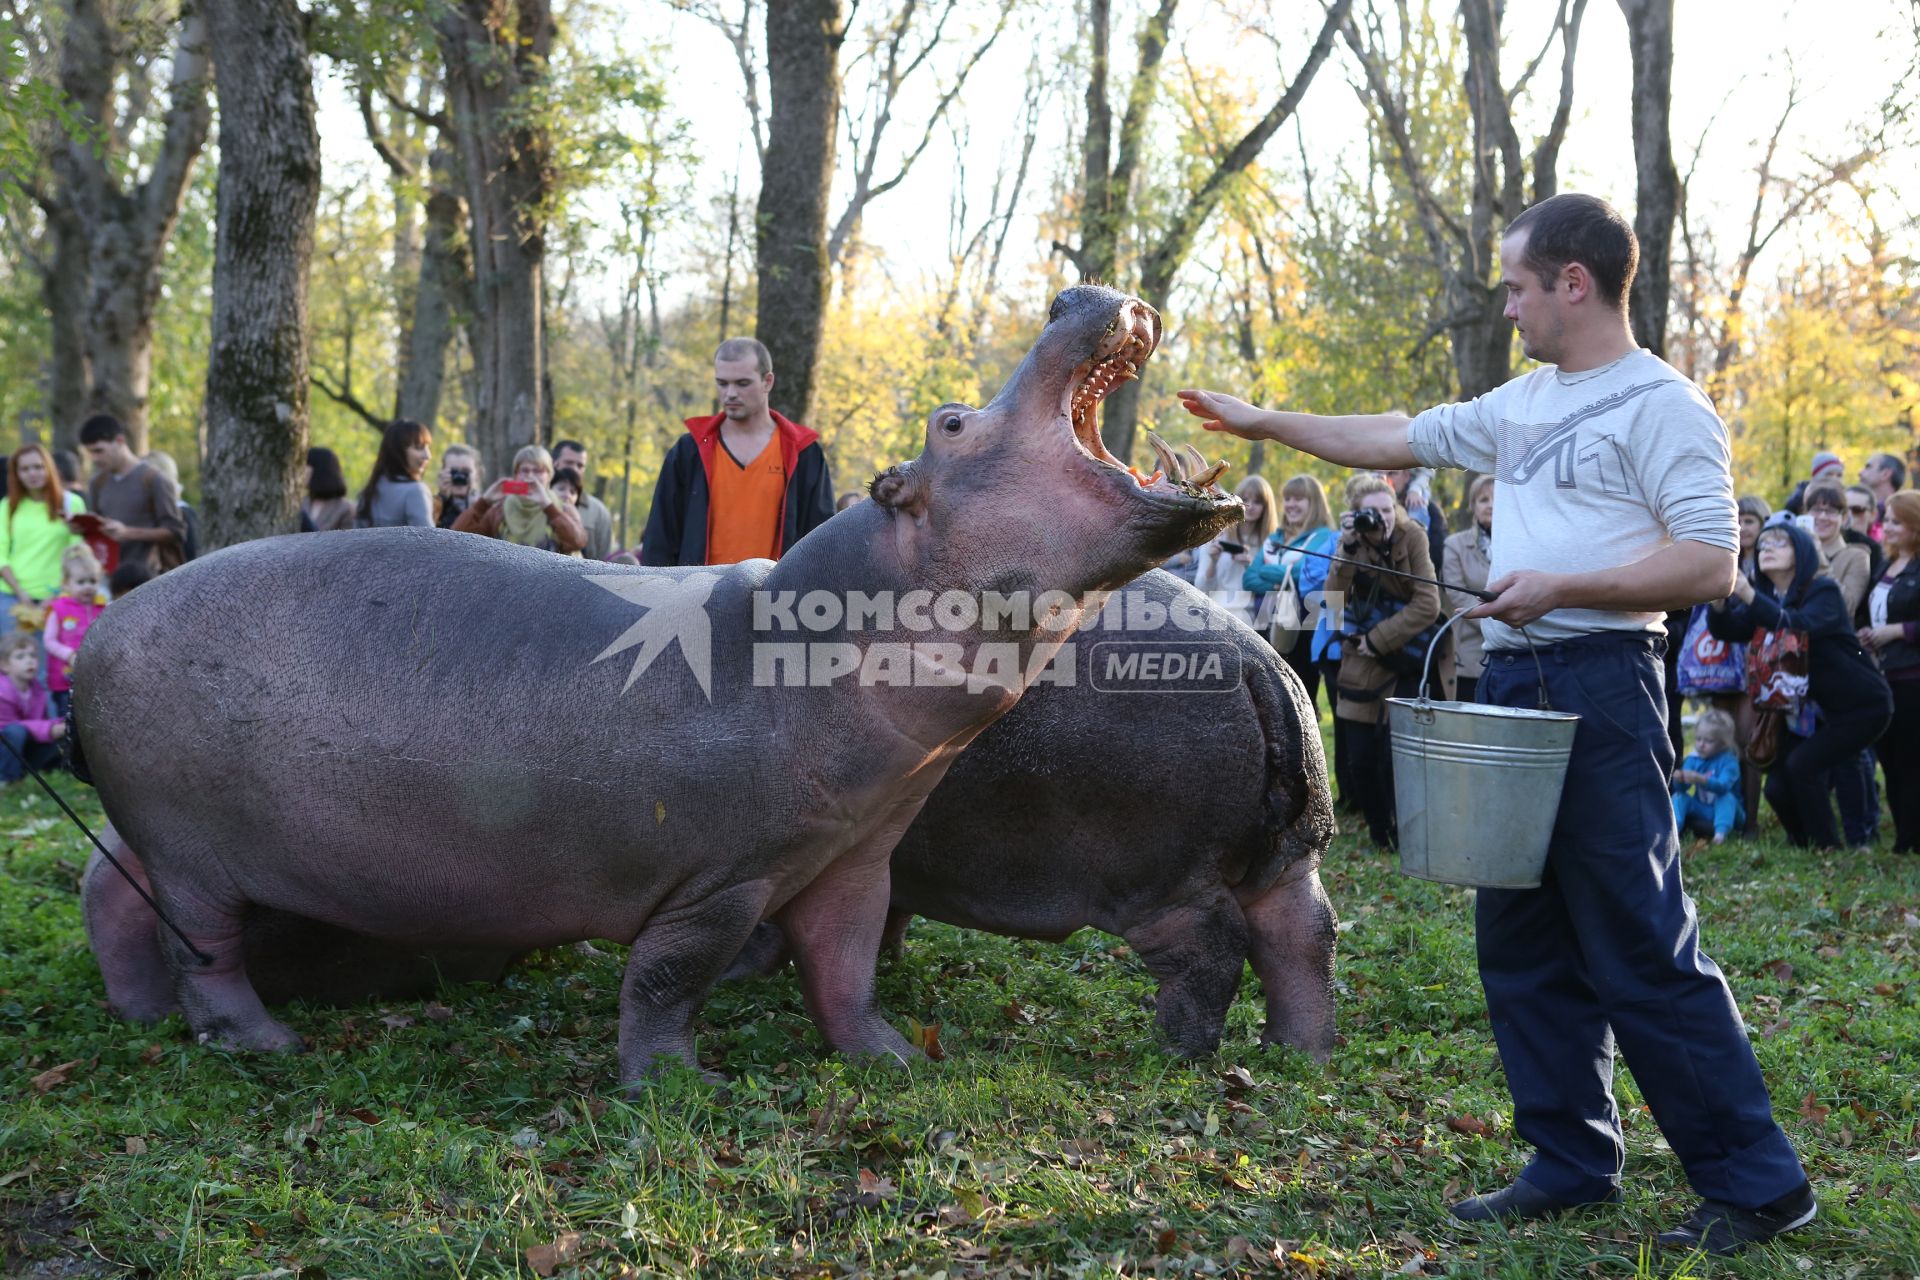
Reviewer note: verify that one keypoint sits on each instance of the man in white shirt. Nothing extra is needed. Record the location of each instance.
(1616, 505)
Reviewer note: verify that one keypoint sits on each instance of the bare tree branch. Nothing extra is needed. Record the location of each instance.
(343, 395)
(377, 136)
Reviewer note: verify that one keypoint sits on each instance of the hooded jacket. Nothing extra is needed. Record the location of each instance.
(1365, 683)
(1841, 678)
(677, 524)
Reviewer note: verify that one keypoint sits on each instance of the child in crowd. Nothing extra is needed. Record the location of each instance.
(69, 614)
(1706, 789)
(25, 723)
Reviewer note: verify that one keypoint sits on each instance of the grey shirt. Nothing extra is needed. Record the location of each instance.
(598, 522)
(401, 502)
(1593, 471)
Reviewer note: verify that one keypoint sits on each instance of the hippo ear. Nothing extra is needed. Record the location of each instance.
(900, 488)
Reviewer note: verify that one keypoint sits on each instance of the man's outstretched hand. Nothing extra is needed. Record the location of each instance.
(1219, 411)
(1523, 596)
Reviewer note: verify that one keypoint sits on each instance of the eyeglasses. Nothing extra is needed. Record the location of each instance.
(1858, 511)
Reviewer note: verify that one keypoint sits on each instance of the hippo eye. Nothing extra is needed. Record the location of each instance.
(951, 424)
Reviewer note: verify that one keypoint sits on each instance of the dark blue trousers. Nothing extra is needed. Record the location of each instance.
(1607, 952)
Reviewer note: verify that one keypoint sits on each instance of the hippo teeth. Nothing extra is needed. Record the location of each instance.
(1206, 478)
(1170, 461)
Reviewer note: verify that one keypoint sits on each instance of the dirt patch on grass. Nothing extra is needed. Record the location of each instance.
(38, 1242)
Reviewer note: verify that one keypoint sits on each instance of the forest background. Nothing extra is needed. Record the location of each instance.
(244, 226)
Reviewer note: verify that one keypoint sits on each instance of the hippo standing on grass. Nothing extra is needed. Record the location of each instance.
(1185, 813)
(279, 725)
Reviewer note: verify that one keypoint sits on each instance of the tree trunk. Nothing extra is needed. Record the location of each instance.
(790, 238)
(495, 52)
(269, 185)
(1163, 260)
(437, 299)
(1650, 28)
(126, 226)
(63, 291)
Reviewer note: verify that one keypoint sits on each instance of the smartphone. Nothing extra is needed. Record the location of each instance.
(1232, 548)
(518, 488)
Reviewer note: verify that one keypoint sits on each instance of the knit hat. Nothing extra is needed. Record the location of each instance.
(1825, 461)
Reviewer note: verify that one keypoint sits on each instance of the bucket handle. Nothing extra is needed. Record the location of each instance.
(1426, 668)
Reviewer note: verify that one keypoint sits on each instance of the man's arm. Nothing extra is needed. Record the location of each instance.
(1678, 577)
(1377, 441)
(660, 544)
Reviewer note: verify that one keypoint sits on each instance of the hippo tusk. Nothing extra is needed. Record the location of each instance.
(1206, 478)
(1170, 462)
(1195, 460)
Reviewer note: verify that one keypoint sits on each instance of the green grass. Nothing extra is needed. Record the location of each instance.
(446, 1138)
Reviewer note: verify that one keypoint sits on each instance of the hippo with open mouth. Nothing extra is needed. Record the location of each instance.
(440, 740)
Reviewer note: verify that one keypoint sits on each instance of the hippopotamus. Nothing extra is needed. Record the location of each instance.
(436, 739)
(1186, 816)
(1188, 820)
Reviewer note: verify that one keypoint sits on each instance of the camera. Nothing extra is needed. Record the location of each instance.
(460, 476)
(1367, 521)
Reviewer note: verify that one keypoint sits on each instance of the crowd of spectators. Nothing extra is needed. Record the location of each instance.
(1836, 568)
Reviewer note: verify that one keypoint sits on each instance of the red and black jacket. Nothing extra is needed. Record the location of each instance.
(677, 525)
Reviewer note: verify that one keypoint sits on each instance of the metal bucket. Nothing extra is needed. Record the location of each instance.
(1477, 787)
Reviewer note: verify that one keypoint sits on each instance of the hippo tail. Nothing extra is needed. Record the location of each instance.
(1296, 803)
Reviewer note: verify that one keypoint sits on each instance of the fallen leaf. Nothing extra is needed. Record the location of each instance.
(396, 1021)
(926, 1038)
(1780, 969)
(54, 1077)
(545, 1259)
(1017, 1012)
(1812, 1110)
(1469, 1124)
(136, 1146)
(8, 1179)
(153, 1053)
(1165, 1241)
(363, 1115)
(1237, 1079)
(872, 1184)
(1885, 989)
(436, 1012)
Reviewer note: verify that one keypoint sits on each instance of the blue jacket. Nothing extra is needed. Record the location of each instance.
(1269, 570)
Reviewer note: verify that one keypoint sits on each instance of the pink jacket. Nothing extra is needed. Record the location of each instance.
(28, 708)
(67, 623)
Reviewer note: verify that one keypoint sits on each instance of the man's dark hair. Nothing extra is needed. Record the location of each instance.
(1896, 469)
(126, 576)
(101, 428)
(575, 445)
(1571, 227)
(328, 481)
(743, 349)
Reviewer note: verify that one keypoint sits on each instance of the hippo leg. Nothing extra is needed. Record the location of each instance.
(121, 931)
(221, 1004)
(1197, 951)
(834, 926)
(1293, 927)
(679, 954)
(893, 943)
(765, 952)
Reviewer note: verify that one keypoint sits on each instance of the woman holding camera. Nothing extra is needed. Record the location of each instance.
(525, 509)
(1384, 614)
(1220, 565)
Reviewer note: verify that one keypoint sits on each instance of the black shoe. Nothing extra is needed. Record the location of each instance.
(1520, 1202)
(1720, 1228)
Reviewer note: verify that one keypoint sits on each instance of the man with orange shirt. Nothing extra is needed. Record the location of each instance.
(743, 483)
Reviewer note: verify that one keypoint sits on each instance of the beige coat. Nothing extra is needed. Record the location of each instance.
(1850, 566)
(1464, 564)
(1365, 684)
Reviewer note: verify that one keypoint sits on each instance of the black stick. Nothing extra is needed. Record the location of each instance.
(112, 861)
(1398, 573)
